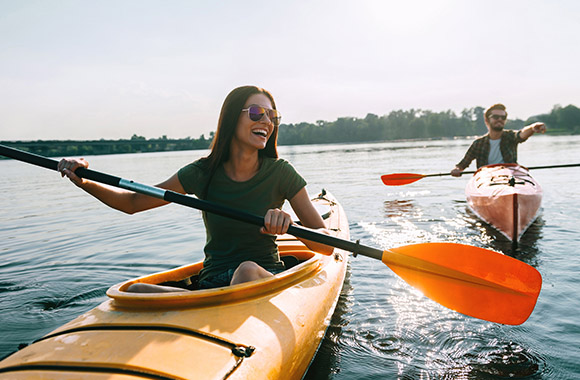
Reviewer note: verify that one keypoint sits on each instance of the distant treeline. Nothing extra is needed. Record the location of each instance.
(397, 125)
(137, 144)
(418, 124)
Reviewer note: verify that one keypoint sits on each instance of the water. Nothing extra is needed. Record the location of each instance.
(61, 250)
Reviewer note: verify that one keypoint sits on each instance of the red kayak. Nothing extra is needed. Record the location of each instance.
(505, 196)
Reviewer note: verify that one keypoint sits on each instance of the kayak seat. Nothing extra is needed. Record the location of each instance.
(189, 283)
(290, 261)
(292, 255)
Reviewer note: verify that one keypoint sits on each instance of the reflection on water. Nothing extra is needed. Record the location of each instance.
(397, 207)
(413, 337)
(327, 362)
(527, 247)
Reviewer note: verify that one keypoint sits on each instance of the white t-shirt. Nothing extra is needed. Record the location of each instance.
(495, 156)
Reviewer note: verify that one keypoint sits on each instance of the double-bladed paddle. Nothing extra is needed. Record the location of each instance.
(398, 179)
(473, 281)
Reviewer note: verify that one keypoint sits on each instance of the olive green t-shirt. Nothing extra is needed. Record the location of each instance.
(230, 242)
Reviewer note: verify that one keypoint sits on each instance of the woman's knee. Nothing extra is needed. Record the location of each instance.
(249, 267)
(249, 271)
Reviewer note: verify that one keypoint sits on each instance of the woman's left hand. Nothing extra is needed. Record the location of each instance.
(276, 222)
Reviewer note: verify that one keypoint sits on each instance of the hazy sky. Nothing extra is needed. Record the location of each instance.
(111, 69)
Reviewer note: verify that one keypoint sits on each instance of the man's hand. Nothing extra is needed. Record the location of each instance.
(456, 172)
(538, 127)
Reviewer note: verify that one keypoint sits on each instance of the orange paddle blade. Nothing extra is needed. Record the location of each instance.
(399, 179)
(473, 281)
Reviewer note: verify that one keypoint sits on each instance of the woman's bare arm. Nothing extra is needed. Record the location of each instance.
(119, 199)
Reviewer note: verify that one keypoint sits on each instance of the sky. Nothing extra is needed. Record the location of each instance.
(85, 70)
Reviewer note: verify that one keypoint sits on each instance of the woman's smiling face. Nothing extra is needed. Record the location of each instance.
(254, 133)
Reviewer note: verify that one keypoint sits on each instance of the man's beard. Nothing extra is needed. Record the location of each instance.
(497, 128)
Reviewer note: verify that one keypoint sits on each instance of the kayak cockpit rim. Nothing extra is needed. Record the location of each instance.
(313, 263)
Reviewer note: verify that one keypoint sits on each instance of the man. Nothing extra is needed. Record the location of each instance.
(498, 146)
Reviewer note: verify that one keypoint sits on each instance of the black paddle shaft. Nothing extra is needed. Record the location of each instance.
(529, 168)
(186, 200)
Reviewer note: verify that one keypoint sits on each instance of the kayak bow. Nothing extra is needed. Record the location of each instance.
(265, 329)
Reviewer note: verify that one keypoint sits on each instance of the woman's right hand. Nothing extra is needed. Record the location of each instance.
(67, 167)
(276, 222)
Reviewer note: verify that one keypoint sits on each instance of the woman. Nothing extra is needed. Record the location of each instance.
(242, 171)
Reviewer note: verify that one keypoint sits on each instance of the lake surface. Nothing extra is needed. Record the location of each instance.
(60, 250)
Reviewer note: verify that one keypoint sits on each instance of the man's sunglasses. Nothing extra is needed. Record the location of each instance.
(256, 113)
(498, 117)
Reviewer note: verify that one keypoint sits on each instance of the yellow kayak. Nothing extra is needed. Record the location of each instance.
(265, 329)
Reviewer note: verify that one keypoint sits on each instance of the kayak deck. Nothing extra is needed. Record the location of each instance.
(505, 196)
(270, 328)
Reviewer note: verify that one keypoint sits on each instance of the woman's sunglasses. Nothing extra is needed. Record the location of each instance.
(256, 113)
